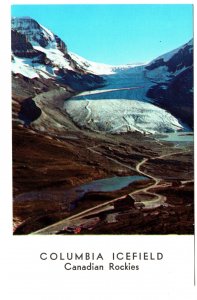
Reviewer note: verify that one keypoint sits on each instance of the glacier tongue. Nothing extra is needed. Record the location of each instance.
(122, 105)
(121, 115)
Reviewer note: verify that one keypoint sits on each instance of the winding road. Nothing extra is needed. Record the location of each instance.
(77, 219)
(158, 199)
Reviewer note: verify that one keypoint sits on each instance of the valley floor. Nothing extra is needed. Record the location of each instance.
(48, 166)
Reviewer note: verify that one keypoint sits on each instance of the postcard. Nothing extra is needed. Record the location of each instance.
(100, 182)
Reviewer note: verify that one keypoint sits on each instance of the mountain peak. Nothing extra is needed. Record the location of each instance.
(37, 34)
(24, 22)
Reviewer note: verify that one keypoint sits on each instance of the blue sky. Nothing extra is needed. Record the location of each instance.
(115, 34)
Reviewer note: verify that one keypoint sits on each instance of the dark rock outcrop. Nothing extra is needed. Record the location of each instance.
(20, 45)
(177, 97)
(182, 58)
(29, 111)
(175, 94)
(61, 45)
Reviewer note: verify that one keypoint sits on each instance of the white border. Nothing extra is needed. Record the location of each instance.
(24, 276)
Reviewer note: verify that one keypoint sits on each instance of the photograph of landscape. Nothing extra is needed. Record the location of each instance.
(102, 106)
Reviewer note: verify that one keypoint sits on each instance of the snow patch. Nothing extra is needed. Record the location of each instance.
(93, 67)
(100, 68)
(48, 33)
(27, 68)
(19, 67)
(56, 56)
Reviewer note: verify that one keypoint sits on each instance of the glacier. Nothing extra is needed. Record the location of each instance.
(122, 105)
(131, 82)
(121, 115)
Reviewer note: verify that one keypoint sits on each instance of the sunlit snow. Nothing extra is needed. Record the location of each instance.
(19, 67)
(27, 68)
(90, 66)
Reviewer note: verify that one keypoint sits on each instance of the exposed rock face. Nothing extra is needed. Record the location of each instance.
(177, 97)
(183, 58)
(20, 45)
(176, 93)
(61, 45)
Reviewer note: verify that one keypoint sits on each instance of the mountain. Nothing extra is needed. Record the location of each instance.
(172, 75)
(38, 53)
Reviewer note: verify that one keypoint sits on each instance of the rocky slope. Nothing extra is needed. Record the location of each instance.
(172, 75)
